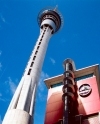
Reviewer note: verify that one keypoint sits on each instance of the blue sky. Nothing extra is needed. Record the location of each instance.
(79, 39)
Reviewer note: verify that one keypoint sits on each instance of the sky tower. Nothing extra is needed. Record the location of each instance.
(21, 108)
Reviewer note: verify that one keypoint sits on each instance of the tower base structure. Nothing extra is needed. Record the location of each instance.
(17, 116)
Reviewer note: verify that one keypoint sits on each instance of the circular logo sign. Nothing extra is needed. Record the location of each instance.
(84, 90)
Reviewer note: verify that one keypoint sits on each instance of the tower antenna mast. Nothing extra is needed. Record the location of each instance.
(55, 9)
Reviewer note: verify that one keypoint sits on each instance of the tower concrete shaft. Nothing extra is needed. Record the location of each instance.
(21, 108)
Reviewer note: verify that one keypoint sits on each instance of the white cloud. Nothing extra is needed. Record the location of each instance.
(41, 87)
(0, 53)
(2, 99)
(0, 94)
(41, 81)
(0, 65)
(12, 85)
(2, 18)
(0, 120)
(52, 60)
(0, 62)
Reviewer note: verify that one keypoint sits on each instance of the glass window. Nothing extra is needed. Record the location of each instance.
(56, 85)
(83, 77)
(32, 64)
(29, 72)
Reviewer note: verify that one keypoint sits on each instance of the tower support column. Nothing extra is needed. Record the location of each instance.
(68, 91)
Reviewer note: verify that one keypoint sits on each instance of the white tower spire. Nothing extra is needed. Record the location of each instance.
(20, 110)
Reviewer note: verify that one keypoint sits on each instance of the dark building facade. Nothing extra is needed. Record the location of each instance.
(86, 102)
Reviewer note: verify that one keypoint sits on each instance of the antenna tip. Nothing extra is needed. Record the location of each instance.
(55, 9)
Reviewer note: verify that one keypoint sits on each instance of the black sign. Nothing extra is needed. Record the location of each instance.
(84, 90)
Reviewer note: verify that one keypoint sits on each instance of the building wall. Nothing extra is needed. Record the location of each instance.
(90, 104)
(54, 110)
(85, 105)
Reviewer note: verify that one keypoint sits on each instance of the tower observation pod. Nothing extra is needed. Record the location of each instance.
(21, 108)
